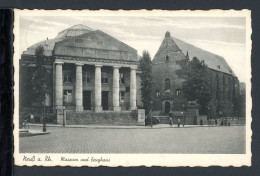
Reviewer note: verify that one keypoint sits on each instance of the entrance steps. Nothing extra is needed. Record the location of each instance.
(163, 119)
(105, 117)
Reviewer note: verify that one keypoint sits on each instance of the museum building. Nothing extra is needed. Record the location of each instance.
(89, 71)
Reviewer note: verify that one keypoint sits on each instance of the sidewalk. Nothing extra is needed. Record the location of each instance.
(159, 126)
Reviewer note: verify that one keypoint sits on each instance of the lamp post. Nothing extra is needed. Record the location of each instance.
(183, 107)
(63, 115)
(44, 121)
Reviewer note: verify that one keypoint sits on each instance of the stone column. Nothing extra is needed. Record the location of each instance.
(116, 88)
(133, 88)
(59, 92)
(98, 88)
(79, 89)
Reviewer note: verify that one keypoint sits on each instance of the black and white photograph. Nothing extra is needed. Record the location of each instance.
(131, 88)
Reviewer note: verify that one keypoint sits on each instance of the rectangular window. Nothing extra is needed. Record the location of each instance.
(178, 92)
(87, 77)
(122, 78)
(67, 78)
(122, 97)
(67, 96)
(104, 78)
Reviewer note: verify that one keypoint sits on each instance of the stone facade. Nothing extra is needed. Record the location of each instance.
(91, 71)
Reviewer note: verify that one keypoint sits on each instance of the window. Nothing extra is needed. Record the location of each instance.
(167, 84)
(87, 77)
(178, 92)
(67, 96)
(104, 78)
(122, 97)
(122, 78)
(167, 58)
(67, 78)
(157, 93)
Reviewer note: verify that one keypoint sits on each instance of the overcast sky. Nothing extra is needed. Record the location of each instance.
(223, 36)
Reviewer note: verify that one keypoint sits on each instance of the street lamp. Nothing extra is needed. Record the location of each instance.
(63, 115)
(183, 107)
(44, 123)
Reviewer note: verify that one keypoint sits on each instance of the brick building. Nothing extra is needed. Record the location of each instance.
(168, 84)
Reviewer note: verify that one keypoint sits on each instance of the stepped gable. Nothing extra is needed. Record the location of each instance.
(50, 43)
(168, 48)
(213, 61)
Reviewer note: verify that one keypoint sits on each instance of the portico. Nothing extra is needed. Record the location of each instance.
(98, 87)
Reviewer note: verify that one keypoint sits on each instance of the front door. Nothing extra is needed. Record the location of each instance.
(167, 107)
(105, 100)
(87, 100)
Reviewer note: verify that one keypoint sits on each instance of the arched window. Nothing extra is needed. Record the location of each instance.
(167, 84)
(167, 58)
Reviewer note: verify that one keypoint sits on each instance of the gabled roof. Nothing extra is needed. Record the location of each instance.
(173, 47)
(213, 61)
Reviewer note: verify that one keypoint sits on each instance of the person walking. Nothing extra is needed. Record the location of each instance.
(179, 122)
(170, 121)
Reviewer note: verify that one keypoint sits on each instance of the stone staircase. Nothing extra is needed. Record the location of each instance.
(106, 118)
(163, 119)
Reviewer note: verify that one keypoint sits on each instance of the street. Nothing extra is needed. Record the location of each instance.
(196, 140)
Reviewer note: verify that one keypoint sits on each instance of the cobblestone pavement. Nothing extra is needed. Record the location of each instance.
(229, 140)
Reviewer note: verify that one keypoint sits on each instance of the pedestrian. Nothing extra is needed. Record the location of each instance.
(151, 120)
(216, 122)
(179, 122)
(145, 121)
(170, 121)
(201, 122)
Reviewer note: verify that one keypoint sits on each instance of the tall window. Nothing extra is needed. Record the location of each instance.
(87, 77)
(157, 93)
(122, 78)
(122, 97)
(167, 58)
(67, 77)
(67, 96)
(167, 84)
(104, 78)
(178, 92)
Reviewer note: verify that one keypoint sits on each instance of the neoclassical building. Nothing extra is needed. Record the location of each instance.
(89, 71)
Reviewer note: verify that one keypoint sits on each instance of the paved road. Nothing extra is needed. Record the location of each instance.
(230, 140)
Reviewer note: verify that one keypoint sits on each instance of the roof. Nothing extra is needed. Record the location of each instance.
(177, 50)
(74, 31)
(213, 61)
(48, 45)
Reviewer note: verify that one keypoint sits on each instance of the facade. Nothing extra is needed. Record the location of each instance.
(89, 71)
(168, 84)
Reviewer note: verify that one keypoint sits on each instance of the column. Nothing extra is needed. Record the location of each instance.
(133, 88)
(59, 92)
(98, 88)
(116, 88)
(79, 89)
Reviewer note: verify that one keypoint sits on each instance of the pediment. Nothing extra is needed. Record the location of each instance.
(96, 44)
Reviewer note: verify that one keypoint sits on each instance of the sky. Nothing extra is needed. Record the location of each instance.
(224, 36)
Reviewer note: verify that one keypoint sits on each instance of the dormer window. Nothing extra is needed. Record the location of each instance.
(167, 58)
(218, 66)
